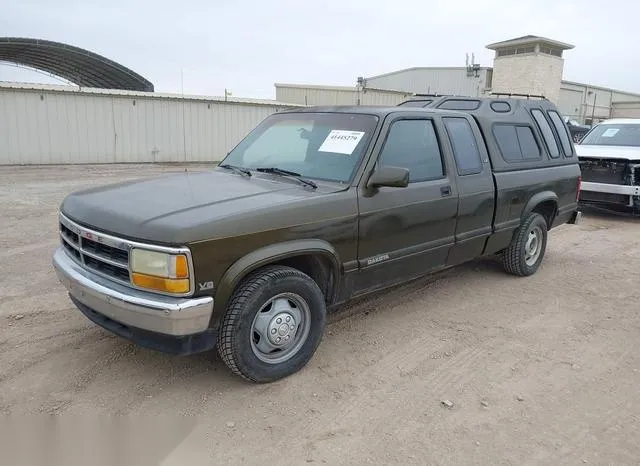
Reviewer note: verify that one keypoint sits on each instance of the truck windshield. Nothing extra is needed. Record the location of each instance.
(323, 146)
(622, 134)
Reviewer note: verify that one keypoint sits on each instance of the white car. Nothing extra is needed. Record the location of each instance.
(609, 157)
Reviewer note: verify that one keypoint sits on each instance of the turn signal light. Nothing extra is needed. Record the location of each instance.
(168, 285)
(182, 269)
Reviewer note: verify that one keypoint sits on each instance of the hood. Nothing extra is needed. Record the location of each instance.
(608, 152)
(172, 208)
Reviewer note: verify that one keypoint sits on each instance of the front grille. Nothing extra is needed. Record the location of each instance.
(68, 234)
(103, 250)
(605, 171)
(94, 254)
(106, 269)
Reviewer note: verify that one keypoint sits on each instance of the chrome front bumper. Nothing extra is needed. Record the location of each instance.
(146, 311)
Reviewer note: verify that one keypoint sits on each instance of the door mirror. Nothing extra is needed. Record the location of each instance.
(393, 177)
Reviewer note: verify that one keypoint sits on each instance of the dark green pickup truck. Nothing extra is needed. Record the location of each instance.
(314, 207)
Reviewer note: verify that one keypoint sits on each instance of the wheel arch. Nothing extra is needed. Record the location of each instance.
(545, 203)
(316, 258)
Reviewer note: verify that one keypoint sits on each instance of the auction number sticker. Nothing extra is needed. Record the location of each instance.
(610, 132)
(341, 141)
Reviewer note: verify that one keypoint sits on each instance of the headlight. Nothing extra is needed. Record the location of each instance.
(160, 271)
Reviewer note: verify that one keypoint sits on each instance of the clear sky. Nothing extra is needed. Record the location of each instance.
(247, 45)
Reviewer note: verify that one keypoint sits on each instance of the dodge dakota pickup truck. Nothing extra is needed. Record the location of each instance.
(609, 157)
(313, 208)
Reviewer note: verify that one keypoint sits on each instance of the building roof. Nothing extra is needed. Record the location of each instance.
(142, 94)
(601, 88)
(335, 88)
(430, 68)
(378, 110)
(530, 39)
(74, 64)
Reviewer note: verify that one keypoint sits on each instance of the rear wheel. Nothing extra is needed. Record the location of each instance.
(526, 251)
(273, 325)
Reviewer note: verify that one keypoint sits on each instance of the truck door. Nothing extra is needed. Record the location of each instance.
(475, 186)
(409, 231)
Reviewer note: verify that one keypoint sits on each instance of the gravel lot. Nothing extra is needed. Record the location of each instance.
(541, 370)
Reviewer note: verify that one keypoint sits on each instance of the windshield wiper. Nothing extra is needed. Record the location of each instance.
(283, 172)
(235, 168)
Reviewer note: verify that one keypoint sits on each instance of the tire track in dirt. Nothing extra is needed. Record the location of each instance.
(85, 377)
(386, 373)
(85, 336)
(189, 368)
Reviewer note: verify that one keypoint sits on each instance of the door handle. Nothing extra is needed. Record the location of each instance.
(445, 191)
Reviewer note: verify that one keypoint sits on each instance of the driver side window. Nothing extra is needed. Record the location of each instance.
(270, 144)
(412, 144)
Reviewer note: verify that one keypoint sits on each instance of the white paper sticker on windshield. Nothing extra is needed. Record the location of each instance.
(611, 132)
(341, 142)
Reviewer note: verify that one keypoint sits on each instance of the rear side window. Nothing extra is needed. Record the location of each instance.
(528, 145)
(547, 133)
(413, 144)
(465, 148)
(516, 143)
(561, 128)
(460, 104)
(500, 107)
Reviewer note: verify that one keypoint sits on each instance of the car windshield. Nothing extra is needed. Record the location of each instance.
(323, 146)
(619, 134)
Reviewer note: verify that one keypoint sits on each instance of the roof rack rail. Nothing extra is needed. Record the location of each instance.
(514, 94)
(429, 95)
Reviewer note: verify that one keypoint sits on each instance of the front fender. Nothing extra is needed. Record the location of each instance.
(268, 255)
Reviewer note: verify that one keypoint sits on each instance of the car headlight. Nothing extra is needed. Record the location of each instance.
(160, 271)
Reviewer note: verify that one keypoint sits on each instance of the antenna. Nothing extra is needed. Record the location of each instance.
(473, 68)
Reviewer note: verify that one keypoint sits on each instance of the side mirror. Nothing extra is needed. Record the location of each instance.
(393, 177)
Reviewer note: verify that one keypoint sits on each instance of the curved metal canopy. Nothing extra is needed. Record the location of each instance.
(79, 66)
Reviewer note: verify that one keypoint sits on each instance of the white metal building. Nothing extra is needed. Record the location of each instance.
(437, 80)
(63, 124)
(338, 95)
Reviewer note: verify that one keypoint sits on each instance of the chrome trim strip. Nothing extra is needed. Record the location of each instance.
(127, 245)
(144, 310)
(610, 188)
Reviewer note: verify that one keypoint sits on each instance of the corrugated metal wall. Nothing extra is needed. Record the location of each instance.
(570, 103)
(48, 126)
(332, 95)
(625, 110)
(433, 81)
(583, 96)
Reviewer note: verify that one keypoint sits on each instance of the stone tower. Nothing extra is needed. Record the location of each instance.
(528, 65)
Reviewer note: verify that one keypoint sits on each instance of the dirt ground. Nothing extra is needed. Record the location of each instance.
(540, 370)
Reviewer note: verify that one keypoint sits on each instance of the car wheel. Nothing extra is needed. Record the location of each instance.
(527, 248)
(273, 325)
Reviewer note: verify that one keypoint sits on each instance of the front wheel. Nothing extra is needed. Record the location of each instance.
(273, 325)
(527, 248)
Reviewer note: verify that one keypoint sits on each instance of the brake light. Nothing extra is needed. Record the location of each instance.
(579, 188)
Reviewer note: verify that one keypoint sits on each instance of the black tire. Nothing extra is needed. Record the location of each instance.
(236, 331)
(514, 259)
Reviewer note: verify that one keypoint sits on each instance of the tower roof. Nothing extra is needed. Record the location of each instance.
(529, 40)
